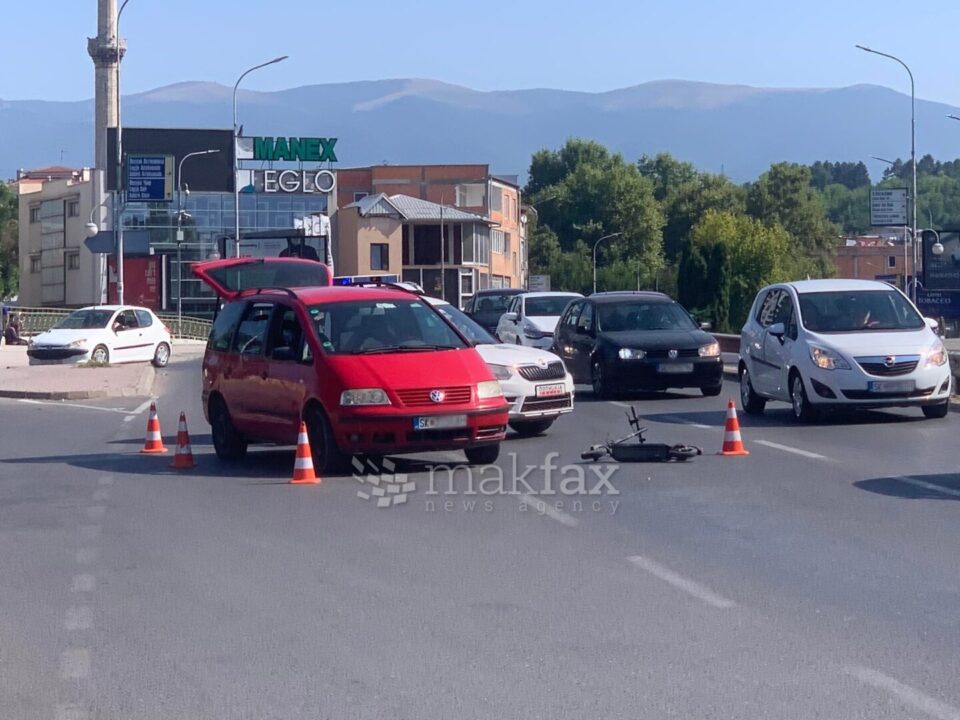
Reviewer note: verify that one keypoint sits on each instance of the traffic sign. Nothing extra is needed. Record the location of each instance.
(888, 206)
(150, 178)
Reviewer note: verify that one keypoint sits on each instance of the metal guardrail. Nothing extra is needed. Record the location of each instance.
(37, 320)
(728, 343)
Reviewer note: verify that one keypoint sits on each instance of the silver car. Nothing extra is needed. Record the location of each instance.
(821, 344)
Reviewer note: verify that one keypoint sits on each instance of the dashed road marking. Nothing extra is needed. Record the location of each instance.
(789, 449)
(83, 583)
(691, 587)
(907, 695)
(543, 507)
(85, 556)
(79, 618)
(75, 664)
(683, 421)
(78, 406)
(929, 486)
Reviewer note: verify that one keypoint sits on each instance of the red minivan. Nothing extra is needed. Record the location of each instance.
(371, 371)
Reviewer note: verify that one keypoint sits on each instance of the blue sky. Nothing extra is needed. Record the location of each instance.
(489, 45)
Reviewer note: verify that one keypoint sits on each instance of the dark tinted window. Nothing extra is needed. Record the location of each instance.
(638, 315)
(466, 325)
(573, 314)
(546, 306)
(222, 331)
(286, 332)
(858, 311)
(585, 321)
(85, 320)
(251, 335)
(493, 303)
(127, 320)
(768, 308)
(144, 318)
(271, 275)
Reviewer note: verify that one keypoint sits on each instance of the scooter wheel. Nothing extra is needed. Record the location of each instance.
(682, 453)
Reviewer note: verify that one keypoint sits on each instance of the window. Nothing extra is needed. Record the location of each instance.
(73, 208)
(144, 317)
(252, 333)
(358, 196)
(286, 333)
(222, 331)
(73, 261)
(126, 320)
(497, 243)
(768, 308)
(891, 261)
(470, 195)
(35, 264)
(573, 313)
(858, 311)
(496, 201)
(379, 256)
(506, 242)
(34, 214)
(585, 322)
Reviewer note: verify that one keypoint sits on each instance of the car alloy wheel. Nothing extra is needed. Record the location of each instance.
(100, 354)
(803, 411)
(749, 400)
(227, 442)
(600, 389)
(162, 355)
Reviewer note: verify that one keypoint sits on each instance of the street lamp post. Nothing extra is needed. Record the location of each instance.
(595, 246)
(180, 215)
(891, 163)
(236, 161)
(117, 210)
(913, 154)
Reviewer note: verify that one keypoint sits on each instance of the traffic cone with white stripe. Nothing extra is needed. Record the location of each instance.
(303, 473)
(154, 442)
(732, 442)
(183, 460)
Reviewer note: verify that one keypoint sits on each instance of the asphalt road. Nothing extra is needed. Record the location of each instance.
(816, 578)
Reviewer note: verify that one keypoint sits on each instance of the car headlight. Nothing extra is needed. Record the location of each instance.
(711, 350)
(78, 343)
(631, 354)
(937, 356)
(489, 389)
(827, 359)
(365, 396)
(501, 372)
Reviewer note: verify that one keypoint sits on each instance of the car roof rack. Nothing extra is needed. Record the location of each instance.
(269, 289)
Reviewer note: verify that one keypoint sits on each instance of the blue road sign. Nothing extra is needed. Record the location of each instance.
(149, 178)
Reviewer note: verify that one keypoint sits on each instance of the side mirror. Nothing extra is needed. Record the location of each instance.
(284, 353)
(510, 317)
(778, 330)
(706, 326)
(932, 324)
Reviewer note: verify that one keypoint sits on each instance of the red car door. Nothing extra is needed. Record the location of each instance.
(244, 387)
(290, 370)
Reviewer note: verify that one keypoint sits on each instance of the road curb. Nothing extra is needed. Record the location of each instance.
(142, 388)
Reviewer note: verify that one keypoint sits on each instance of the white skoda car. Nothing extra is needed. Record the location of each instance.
(532, 317)
(104, 334)
(821, 344)
(534, 382)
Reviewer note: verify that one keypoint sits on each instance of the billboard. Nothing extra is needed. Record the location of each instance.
(888, 207)
(941, 272)
(208, 173)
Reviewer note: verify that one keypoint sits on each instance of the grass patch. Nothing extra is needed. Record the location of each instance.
(93, 364)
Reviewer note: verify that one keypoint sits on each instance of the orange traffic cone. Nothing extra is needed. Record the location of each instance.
(732, 442)
(154, 442)
(303, 473)
(183, 460)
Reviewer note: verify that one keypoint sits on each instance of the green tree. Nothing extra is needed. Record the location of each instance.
(9, 255)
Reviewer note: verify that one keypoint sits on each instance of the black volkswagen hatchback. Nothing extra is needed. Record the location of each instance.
(635, 341)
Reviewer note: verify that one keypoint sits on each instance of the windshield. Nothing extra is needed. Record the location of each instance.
(643, 316)
(489, 304)
(473, 332)
(85, 320)
(547, 306)
(382, 326)
(857, 311)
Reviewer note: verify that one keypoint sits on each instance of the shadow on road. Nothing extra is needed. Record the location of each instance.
(781, 417)
(916, 487)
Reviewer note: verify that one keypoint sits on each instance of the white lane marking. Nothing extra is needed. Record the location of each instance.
(101, 494)
(85, 556)
(79, 406)
(542, 507)
(691, 587)
(682, 421)
(75, 663)
(908, 695)
(105, 480)
(928, 486)
(70, 711)
(795, 451)
(79, 618)
(89, 532)
(95, 512)
(142, 408)
(83, 583)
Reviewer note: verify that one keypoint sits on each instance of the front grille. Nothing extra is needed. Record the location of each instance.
(553, 371)
(867, 395)
(903, 365)
(54, 353)
(664, 354)
(421, 396)
(539, 405)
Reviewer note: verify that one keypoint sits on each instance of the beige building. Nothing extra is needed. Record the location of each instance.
(56, 268)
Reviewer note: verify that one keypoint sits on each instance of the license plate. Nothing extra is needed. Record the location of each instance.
(891, 386)
(675, 368)
(439, 422)
(546, 391)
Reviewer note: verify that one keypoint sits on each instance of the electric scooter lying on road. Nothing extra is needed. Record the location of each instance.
(624, 451)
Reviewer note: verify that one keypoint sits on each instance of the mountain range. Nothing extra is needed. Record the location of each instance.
(735, 129)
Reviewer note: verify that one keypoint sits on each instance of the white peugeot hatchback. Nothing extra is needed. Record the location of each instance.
(821, 344)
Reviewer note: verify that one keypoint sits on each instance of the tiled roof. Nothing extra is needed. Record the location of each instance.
(411, 209)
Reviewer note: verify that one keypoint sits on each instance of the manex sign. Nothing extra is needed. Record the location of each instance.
(294, 149)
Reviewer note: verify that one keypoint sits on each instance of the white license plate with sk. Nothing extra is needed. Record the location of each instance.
(554, 390)
(675, 368)
(439, 422)
(891, 386)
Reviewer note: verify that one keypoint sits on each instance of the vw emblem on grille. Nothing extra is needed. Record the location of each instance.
(672, 354)
(890, 360)
(437, 396)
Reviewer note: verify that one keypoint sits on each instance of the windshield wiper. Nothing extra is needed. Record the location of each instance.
(384, 349)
